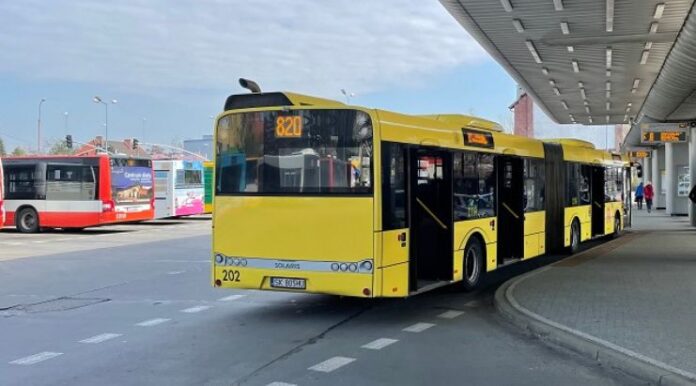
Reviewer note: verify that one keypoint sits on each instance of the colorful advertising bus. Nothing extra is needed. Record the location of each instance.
(208, 169)
(72, 192)
(178, 188)
(316, 196)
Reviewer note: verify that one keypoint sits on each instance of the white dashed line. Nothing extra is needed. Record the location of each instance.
(332, 364)
(152, 322)
(281, 384)
(36, 358)
(100, 338)
(380, 343)
(175, 272)
(230, 298)
(193, 310)
(450, 314)
(418, 327)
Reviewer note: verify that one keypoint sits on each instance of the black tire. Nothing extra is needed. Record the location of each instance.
(617, 226)
(574, 237)
(474, 264)
(27, 221)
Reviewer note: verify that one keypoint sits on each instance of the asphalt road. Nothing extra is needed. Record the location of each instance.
(136, 307)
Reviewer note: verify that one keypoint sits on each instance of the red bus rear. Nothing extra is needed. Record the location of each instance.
(77, 192)
(2, 198)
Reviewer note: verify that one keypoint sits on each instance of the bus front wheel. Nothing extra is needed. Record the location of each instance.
(473, 264)
(28, 221)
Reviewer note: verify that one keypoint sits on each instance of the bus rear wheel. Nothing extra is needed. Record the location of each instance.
(28, 221)
(574, 236)
(473, 264)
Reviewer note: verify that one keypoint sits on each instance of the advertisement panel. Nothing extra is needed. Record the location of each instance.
(131, 188)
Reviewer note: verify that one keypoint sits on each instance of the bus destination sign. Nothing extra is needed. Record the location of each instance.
(656, 136)
(478, 138)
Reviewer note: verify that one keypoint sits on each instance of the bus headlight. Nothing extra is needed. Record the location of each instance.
(219, 259)
(366, 266)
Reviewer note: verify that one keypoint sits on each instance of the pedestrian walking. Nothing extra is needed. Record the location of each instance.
(648, 193)
(639, 196)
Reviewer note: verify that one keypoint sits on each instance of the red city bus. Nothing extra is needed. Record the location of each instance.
(74, 192)
(2, 197)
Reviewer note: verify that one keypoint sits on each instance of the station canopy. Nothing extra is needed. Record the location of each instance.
(593, 62)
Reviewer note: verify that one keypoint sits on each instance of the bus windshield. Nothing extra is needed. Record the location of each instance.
(295, 152)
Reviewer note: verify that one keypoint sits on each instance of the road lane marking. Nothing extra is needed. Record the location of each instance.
(418, 327)
(380, 343)
(331, 364)
(281, 384)
(230, 298)
(36, 358)
(100, 338)
(152, 322)
(451, 314)
(195, 309)
(175, 272)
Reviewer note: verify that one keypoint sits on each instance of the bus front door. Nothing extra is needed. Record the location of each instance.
(510, 209)
(598, 199)
(431, 218)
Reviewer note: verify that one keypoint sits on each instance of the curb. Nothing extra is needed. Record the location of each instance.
(596, 349)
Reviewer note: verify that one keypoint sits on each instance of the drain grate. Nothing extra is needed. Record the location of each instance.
(64, 303)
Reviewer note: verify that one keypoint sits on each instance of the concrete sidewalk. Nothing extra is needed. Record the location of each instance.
(629, 303)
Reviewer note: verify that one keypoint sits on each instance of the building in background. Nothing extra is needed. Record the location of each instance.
(202, 146)
(124, 147)
(523, 112)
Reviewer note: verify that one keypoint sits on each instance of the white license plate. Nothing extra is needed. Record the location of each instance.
(288, 282)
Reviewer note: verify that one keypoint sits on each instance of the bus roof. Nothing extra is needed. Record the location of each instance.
(437, 129)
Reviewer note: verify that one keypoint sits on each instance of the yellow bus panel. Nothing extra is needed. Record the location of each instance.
(534, 234)
(395, 280)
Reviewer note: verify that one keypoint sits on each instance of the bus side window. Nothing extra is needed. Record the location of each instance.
(393, 186)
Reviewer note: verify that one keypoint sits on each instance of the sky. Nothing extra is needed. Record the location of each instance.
(170, 64)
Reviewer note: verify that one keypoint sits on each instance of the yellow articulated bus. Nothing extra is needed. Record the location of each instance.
(315, 196)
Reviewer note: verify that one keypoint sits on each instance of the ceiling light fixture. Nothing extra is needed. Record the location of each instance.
(608, 73)
(583, 94)
(564, 28)
(533, 51)
(589, 119)
(506, 5)
(608, 105)
(608, 85)
(557, 91)
(659, 9)
(609, 52)
(608, 119)
(558, 5)
(634, 90)
(610, 16)
(636, 82)
(653, 27)
(587, 109)
(518, 25)
(644, 57)
(552, 82)
(571, 49)
(576, 66)
(648, 45)
(545, 70)
(608, 94)
(564, 104)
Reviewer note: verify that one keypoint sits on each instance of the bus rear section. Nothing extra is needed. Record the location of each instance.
(293, 206)
(179, 188)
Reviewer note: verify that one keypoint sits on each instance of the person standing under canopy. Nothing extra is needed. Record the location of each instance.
(639, 196)
(648, 193)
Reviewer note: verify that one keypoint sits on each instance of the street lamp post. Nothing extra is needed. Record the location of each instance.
(38, 134)
(66, 121)
(97, 99)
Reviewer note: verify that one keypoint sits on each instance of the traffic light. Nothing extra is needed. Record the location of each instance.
(135, 144)
(68, 141)
(639, 170)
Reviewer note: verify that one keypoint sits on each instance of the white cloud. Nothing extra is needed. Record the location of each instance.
(305, 45)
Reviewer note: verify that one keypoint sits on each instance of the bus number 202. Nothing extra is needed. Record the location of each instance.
(230, 275)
